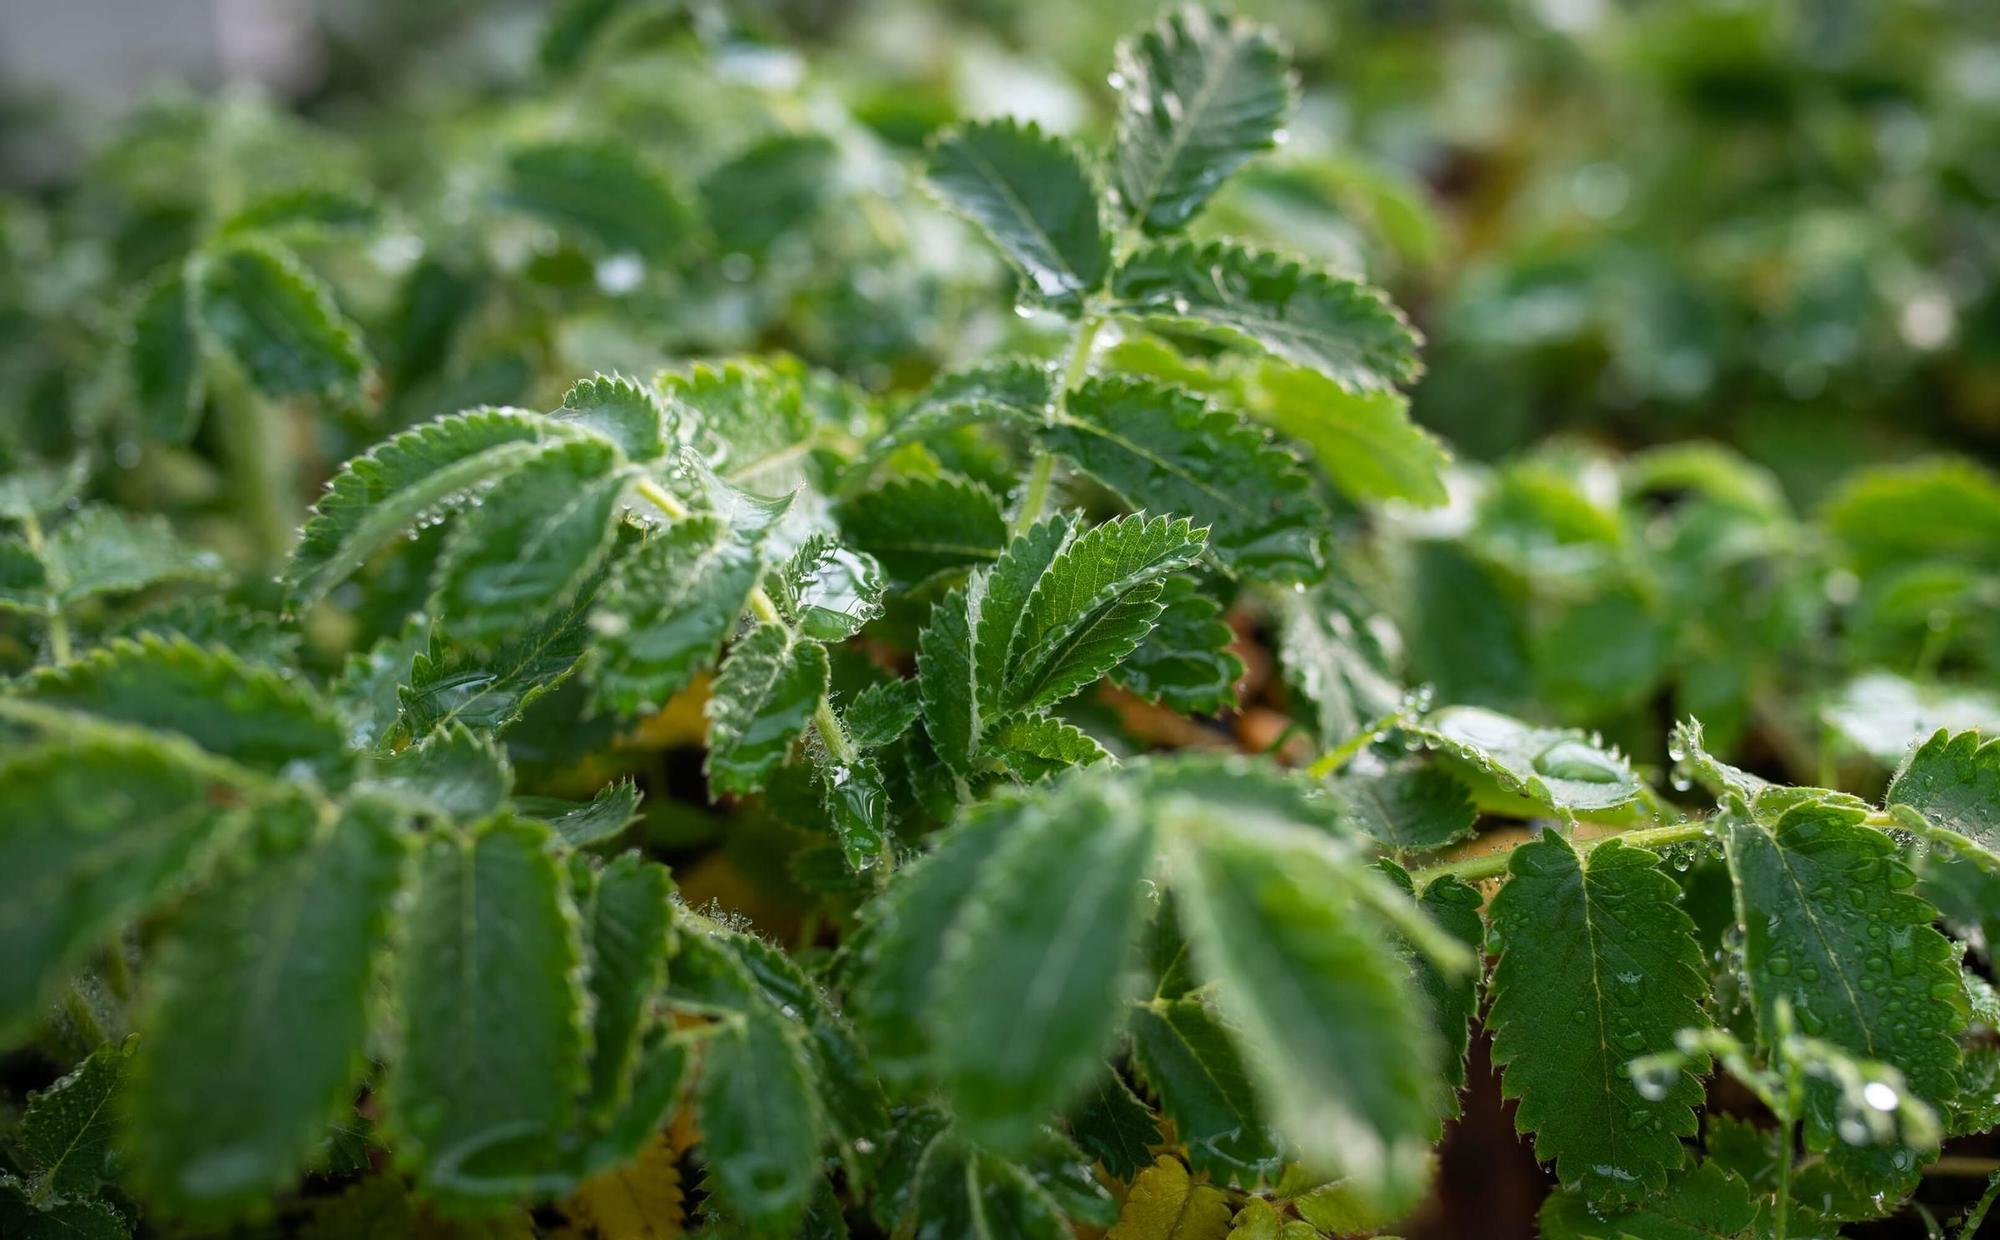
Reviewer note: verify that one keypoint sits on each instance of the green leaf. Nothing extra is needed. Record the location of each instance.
(260, 1003)
(770, 191)
(666, 612)
(1364, 441)
(628, 918)
(92, 832)
(828, 592)
(850, 1096)
(1884, 715)
(1115, 1127)
(1013, 391)
(24, 580)
(281, 323)
(761, 700)
(490, 689)
(759, 1126)
(1031, 194)
(1556, 767)
(948, 679)
(857, 807)
(1454, 997)
(1190, 1062)
(1278, 918)
(920, 528)
(752, 421)
(902, 942)
(881, 713)
(1167, 450)
(998, 599)
(24, 1219)
(603, 817)
(1409, 805)
(66, 1132)
(1944, 508)
(1038, 746)
(101, 550)
(1185, 663)
(1037, 963)
(1337, 660)
(256, 635)
(451, 773)
(1702, 1204)
(1831, 928)
(1598, 966)
(245, 712)
(573, 27)
(963, 1192)
(1346, 330)
(308, 210)
(1954, 782)
(34, 490)
(1199, 94)
(625, 411)
(1092, 607)
(165, 361)
(1463, 632)
(602, 192)
(401, 482)
(492, 1055)
(539, 535)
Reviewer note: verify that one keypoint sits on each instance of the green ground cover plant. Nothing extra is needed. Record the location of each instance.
(853, 762)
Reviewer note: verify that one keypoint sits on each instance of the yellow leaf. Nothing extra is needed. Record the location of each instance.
(1165, 1205)
(638, 1201)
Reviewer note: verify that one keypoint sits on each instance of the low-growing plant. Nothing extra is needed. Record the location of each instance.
(389, 945)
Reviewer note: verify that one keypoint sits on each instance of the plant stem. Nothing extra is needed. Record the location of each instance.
(1035, 498)
(1494, 864)
(57, 623)
(825, 722)
(1778, 1218)
(1969, 1228)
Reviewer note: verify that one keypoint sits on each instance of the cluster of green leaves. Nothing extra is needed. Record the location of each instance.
(350, 857)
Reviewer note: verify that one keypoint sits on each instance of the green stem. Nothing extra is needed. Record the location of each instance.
(825, 722)
(1035, 499)
(1969, 1229)
(1494, 864)
(53, 618)
(1778, 1219)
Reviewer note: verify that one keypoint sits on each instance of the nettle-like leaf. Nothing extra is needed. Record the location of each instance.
(1192, 1064)
(666, 614)
(538, 535)
(101, 550)
(1343, 329)
(922, 528)
(629, 413)
(1555, 768)
(1831, 929)
(1954, 783)
(1055, 613)
(403, 481)
(487, 1077)
(760, 702)
(1033, 197)
(260, 1003)
(280, 322)
(165, 359)
(1409, 805)
(93, 830)
(1337, 661)
(1364, 441)
(1167, 450)
(1598, 965)
(602, 192)
(1014, 392)
(67, 1134)
(1200, 93)
(827, 592)
(1185, 663)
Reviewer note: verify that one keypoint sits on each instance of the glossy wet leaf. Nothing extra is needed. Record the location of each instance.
(1200, 93)
(1166, 450)
(1599, 966)
(1345, 330)
(1030, 193)
(280, 323)
(261, 1001)
(1555, 767)
(759, 704)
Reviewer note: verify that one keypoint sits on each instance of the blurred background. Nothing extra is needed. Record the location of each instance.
(1767, 226)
